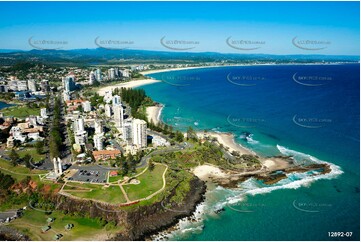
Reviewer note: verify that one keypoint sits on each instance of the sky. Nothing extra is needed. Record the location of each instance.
(330, 28)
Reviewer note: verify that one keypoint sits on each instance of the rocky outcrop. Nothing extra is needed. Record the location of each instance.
(270, 177)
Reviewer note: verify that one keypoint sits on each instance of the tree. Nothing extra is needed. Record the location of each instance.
(191, 134)
(125, 168)
(55, 138)
(14, 157)
(39, 146)
(27, 161)
(133, 165)
(151, 165)
(179, 136)
(6, 181)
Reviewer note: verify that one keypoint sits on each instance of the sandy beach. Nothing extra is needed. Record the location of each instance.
(130, 84)
(182, 68)
(154, 113)
(206, 172)
(227, 140)
(142, 82)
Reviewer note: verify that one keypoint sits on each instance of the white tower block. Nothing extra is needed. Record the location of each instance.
(55, 166)
(60, 168)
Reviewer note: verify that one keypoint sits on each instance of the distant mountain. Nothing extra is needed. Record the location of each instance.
(128, 56)
(9, 50)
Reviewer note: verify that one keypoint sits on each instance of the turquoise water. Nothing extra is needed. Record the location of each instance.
(308, 111)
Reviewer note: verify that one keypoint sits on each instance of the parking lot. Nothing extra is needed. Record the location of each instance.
(92, 174)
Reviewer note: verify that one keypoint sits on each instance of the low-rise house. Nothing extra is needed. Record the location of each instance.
(50, 220)
(22, 126)
(35, 136)
(20, 137)
(34, 130)
(113, 173)
(45, 228)
(58, 236)
(15, 129)
(69, 226)
(106, 154)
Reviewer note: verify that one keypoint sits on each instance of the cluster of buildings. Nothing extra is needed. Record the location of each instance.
(29, 131)
(112, 73)
(132, 132)
(25, 89)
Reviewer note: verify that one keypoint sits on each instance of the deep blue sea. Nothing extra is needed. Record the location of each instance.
(309, 111)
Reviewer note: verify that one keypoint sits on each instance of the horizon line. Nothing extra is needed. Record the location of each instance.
(201, 52)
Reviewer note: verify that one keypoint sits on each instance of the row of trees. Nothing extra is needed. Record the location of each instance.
(55, 138)
(134, 97)
(129, 163)
(168, 130)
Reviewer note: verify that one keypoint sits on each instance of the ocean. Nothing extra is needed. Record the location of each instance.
(311, 112)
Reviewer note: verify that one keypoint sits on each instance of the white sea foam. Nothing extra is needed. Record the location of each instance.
(250, 140)
(250, 187)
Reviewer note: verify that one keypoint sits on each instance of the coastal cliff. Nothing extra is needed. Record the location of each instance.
(151, 219)
(138, 223)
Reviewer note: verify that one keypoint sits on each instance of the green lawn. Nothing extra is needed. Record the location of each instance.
(150, 182)
(84, 228)
(115, 178)
(19, 172)
(30, 151)
(121, 177)
(20, 111)
(111, 194)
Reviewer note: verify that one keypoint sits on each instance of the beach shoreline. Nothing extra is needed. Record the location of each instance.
(213, 174)
(149, 72)
(130, 84)
(154, 113)
(225, 139)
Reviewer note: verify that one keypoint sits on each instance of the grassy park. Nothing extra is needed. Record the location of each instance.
(29, 151)
(150, 182)
(19, 172)
(20, 111)
(111, 194)
(84, 228)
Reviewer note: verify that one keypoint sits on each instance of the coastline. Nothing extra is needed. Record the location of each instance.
(226, 178)
(129, 84)
(149, 72)
(227, 140)
(154, 113)
(224, 139)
